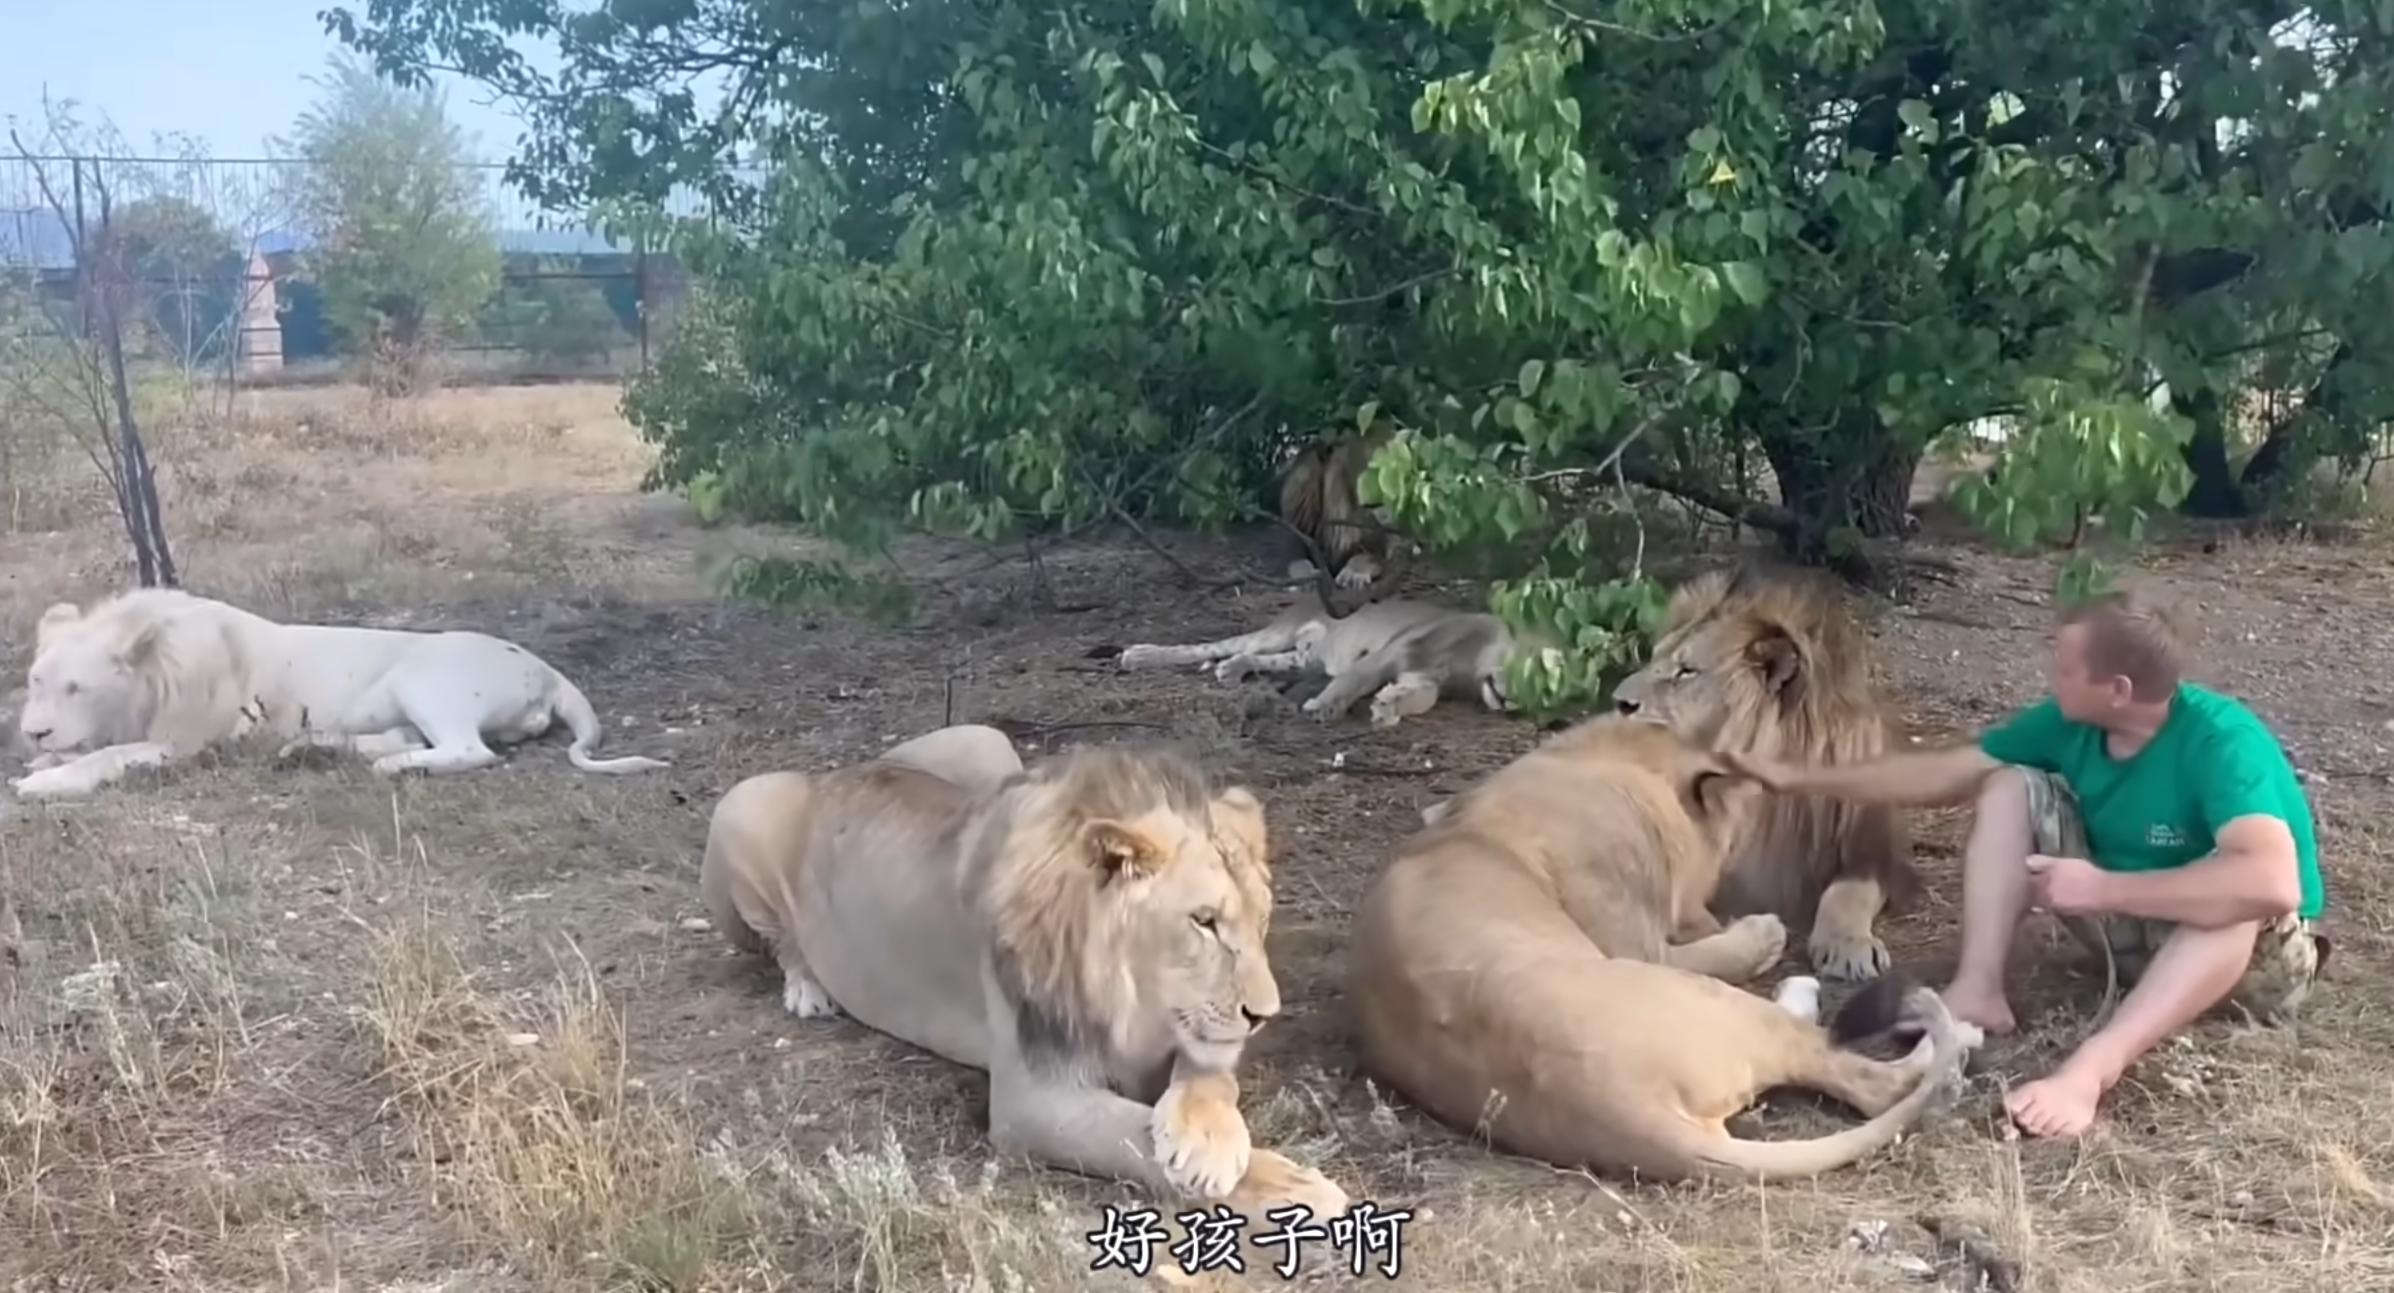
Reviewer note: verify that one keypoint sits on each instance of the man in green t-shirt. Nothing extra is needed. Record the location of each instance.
(2149, 814)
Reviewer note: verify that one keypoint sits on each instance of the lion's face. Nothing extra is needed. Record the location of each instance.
(81, 686)
(1710, 669)
(1196, 941)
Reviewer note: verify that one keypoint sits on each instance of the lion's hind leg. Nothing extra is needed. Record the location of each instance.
(1264, 641)
(1238, 667)
(371, 745)
(451, 722)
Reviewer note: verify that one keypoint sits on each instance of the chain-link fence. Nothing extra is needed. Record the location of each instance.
(222, 266)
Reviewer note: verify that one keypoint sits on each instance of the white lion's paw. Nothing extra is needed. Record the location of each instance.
(805, 998)
(1232, 670)
(1358, 573)
(1850, 957)
(1202, 1143)
(1765, 937)
(1138, 657)
(49, 783)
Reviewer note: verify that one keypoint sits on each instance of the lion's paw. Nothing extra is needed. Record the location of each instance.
(1854, 957)
(1358, 573)
(1233, 670)
(49, 783)
(1274, 1181)
(805, 998)
(1139, 657)
(1201, 1143)
(1763, 936)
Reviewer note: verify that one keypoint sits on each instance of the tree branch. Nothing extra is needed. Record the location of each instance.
(1762, 516)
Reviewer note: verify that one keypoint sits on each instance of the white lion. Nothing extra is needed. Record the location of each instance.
(155, 675)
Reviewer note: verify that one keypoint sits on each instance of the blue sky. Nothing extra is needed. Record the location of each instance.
(230, 72)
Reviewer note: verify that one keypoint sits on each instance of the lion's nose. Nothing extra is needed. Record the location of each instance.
(32, 735)
(1624, 705)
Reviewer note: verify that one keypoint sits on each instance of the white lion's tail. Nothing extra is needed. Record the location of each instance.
(582, 721)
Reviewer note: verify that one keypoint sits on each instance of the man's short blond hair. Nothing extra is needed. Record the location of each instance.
(2130, 634)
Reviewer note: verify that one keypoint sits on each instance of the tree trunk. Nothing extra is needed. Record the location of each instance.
(2216, 493)
(1855, 481)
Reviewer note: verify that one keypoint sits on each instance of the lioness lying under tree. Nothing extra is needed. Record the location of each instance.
(1405, 655)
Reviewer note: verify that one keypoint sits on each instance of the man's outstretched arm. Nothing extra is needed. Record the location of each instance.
(1923, 777)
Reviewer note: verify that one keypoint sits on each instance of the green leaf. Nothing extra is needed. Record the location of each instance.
(1532, 372)
(1915, 114)
(1261, 59)
(1745, 279)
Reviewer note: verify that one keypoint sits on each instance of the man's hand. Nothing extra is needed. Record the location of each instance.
(1772, 774)
(2068, 886)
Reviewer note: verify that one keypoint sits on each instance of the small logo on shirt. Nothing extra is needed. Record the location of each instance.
(2161, 835)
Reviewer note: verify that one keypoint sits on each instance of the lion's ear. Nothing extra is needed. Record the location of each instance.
(1121, 851)
(144, 645)
(1781, 662)
(57, 617)
(1237, 812)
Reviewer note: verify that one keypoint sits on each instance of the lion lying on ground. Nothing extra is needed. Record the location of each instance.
(1319, 502)
(1772, 662)
(1089, 932)
(1405, 655)
(1516, 968)
(155, 675)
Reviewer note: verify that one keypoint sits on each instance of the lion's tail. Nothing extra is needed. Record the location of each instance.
(582, 721)
(1776, 1160)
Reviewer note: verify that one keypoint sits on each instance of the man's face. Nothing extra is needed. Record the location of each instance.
(2083, 697)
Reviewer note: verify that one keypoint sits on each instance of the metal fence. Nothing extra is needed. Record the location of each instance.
(211, 258)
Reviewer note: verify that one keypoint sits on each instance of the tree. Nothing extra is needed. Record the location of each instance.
(1014, 264)
(64, 361)
(182, 274)
(405, 250)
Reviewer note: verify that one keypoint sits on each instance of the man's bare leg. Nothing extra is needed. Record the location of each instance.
(2194, 971)
(1994, 897)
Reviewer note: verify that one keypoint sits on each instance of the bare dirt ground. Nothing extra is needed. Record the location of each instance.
(298, 1027)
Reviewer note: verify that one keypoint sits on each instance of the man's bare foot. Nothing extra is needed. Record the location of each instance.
(2060, 1105)
(1988, 1010)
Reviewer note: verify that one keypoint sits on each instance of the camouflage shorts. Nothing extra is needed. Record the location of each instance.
(2287, 953)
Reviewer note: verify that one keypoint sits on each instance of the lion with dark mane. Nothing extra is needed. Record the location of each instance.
(1089, 932)
(1320, 504)
(1772, 662)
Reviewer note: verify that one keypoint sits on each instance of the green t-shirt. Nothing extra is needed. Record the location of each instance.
(2212, 761)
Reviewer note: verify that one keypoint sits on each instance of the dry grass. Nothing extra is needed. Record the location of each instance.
(295, 1027)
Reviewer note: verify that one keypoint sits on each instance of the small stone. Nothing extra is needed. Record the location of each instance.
(523, 1039)
(697, 924)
